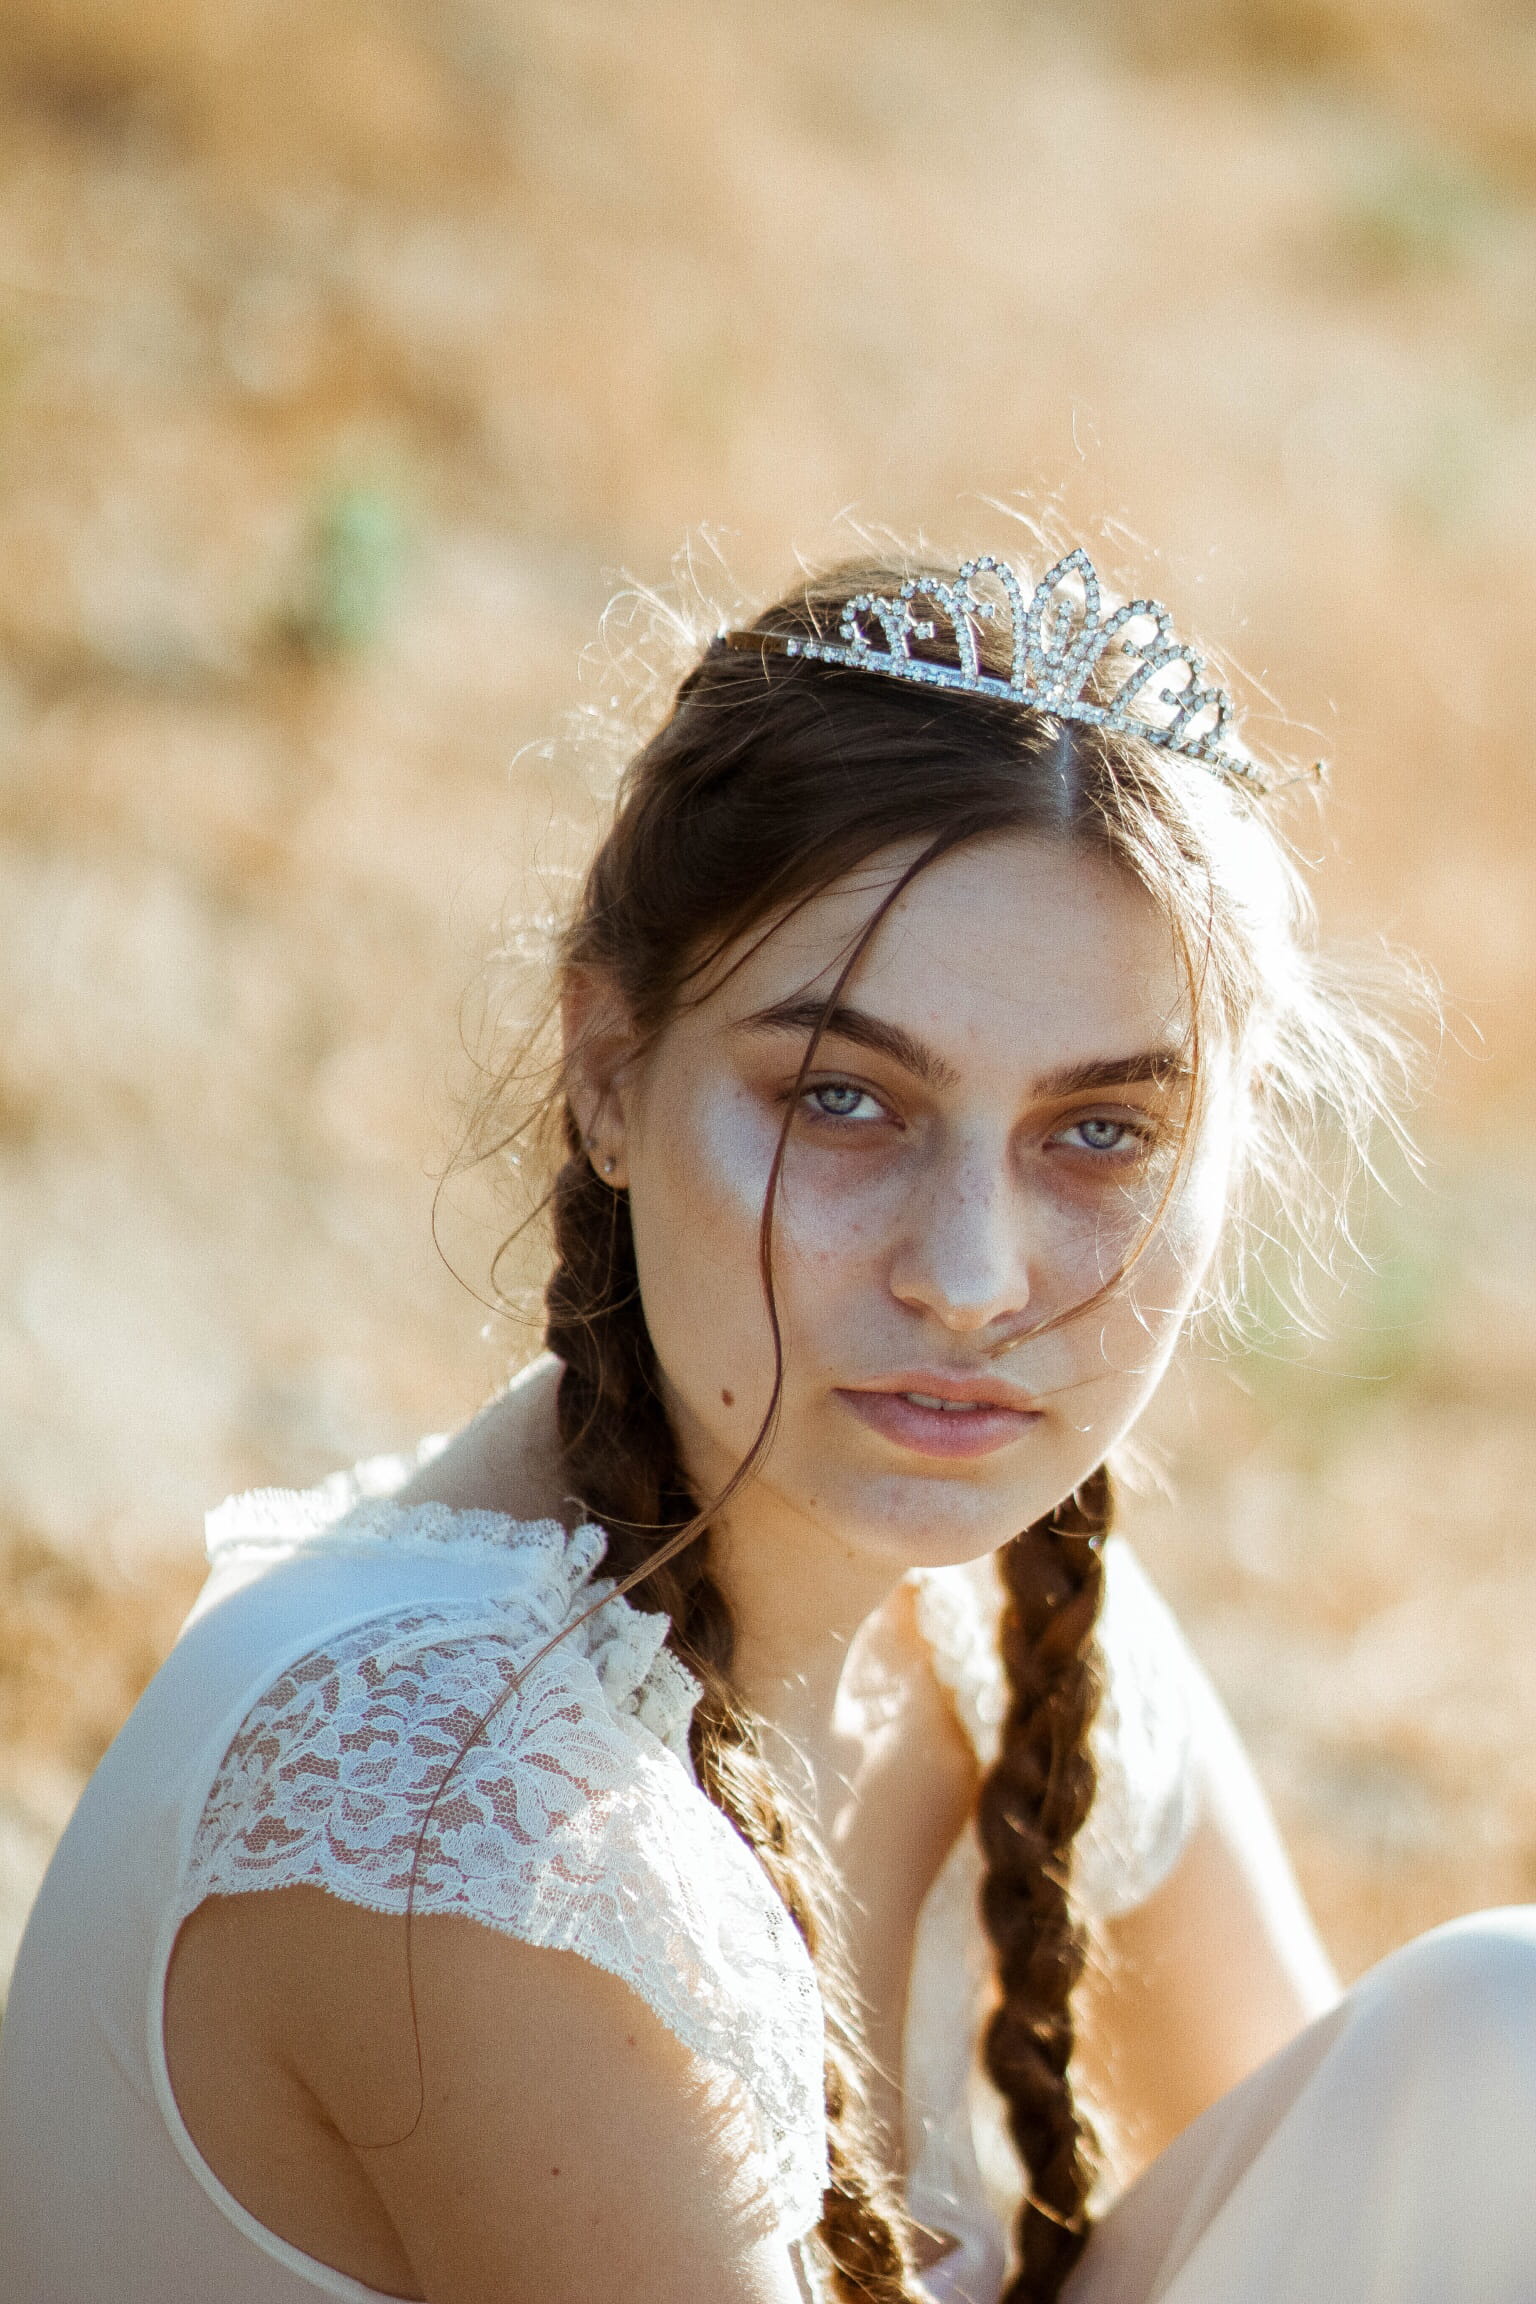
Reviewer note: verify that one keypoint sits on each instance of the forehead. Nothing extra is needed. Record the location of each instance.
(1013, 947)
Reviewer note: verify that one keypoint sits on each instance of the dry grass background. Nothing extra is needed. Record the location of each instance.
(348, 348)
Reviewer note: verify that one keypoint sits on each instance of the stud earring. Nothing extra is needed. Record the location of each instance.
(609, 1163)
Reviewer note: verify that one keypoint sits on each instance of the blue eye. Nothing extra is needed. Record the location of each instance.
(1104, 1136)
(838, 1099)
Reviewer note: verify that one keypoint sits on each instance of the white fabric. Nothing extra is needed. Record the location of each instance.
(342, 1651)
(1384, 2157)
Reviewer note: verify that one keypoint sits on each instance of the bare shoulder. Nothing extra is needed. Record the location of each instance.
(528, 2128)
(506, 1459)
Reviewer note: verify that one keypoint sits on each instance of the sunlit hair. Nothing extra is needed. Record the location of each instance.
(769, 779)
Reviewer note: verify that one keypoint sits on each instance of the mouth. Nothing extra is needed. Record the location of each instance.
(943, 1416)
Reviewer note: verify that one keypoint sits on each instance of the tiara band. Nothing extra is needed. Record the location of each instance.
(1060, 636)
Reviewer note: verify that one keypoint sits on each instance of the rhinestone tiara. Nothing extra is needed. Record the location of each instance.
(1060, 637)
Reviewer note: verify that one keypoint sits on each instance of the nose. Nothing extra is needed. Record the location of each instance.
(964, 1258)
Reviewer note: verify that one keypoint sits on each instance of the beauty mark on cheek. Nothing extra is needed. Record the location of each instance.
(727, 1399)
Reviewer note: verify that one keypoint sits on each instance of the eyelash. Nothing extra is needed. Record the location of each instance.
(1137, 1136)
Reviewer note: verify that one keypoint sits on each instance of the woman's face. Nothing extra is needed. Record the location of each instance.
(988, 1126)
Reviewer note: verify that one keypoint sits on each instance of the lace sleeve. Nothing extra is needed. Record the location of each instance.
(574, 1823)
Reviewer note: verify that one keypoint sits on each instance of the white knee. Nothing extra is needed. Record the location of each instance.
(1473, 1975)
(1446, 2029)
(1383, 2158)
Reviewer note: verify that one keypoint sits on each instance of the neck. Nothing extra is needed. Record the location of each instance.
(798, 1597)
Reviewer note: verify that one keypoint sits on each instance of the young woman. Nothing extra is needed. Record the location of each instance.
(723, 1818)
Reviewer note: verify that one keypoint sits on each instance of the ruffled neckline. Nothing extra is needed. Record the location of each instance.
(1140, 1737)
(355, 1512)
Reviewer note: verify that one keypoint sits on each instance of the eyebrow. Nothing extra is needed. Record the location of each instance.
(864, 1030)
(1161, 1067)
(1153, 1067)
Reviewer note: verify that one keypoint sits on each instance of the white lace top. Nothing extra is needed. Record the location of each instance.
(576, 1821)
(575, 1824)
(344, 1650)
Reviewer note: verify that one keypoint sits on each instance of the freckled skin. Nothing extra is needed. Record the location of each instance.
(959, 1216)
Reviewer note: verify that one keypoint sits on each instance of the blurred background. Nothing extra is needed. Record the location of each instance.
(353, 352)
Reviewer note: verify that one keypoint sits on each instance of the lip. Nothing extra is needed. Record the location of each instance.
(994, 1414)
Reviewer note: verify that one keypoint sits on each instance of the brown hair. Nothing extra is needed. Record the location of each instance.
(769, 780)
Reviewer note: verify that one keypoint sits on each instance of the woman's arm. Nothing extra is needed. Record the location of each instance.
(570, 2150)
(555, 2145)
(1220, 1967)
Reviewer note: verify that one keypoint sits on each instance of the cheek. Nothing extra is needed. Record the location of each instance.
(1165, 1280)
(699, 1171)
(699, 1183)
(700, 1167)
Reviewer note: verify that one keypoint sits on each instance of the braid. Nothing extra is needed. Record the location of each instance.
(619, 1451)
(1032, 1804)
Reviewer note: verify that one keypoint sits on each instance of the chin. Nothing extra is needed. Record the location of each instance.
(932, 1522)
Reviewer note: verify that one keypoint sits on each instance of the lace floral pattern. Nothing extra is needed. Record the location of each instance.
(573, 1822)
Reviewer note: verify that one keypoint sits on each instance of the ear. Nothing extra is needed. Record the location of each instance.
(600, 1041)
